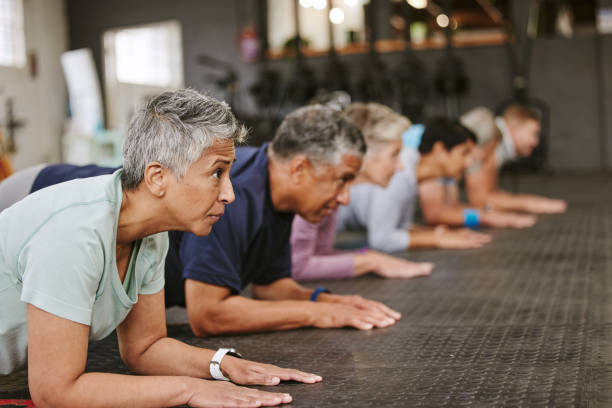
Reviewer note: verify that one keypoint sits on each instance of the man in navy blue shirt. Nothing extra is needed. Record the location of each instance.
(305, 170)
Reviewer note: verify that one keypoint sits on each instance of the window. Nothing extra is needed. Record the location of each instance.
(346, 17)
(140, 62)
(473, 22)
(148, 55)
(12, 47)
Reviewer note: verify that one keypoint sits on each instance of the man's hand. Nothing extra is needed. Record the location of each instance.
(499, 219)
(328, 315)
(204, 393)
(353, 311)
(541, 205)
(248, 372)
(460, 239)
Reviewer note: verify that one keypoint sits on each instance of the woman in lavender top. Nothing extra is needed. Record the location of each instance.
(312, 252)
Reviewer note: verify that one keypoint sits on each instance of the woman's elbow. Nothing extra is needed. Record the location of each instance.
(131, 360)
(299, 271)
(385, 243)
(48, 395)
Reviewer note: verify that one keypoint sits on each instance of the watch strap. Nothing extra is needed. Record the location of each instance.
(215, 362)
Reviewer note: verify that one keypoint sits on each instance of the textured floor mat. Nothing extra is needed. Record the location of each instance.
(524, 321)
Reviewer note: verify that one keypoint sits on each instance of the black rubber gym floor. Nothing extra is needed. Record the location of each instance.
(525, 321)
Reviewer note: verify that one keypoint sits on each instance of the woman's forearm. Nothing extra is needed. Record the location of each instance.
(329, 266)
(169, 356)
(115, 390)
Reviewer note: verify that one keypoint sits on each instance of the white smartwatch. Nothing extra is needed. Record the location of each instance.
(215, 362)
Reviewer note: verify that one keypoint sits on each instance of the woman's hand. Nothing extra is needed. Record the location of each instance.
(389, 266)
(213, 394)
(460, 239)
(248, 372)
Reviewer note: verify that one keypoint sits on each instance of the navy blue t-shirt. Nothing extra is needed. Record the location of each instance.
(249, 244)
(58, 173)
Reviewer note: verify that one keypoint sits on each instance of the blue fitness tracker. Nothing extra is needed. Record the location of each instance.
(316, 293)
(471, 218)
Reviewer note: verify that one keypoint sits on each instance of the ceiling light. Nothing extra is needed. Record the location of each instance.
(442, 20)
(306, 3)
(418, 4)
(319, 4)
(336, 15)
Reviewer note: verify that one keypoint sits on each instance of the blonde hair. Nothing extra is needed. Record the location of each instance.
(378, 123)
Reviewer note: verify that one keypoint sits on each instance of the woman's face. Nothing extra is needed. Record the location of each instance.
(198, 200)
(382, 162)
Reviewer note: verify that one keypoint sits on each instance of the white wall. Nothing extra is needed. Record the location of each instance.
(41, 101)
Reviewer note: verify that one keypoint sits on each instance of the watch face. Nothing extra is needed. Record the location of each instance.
(234, 353)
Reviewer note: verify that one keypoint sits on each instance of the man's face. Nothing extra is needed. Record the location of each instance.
(379, 166)
(198, 200)
(525, 135)
(325, 187)
(454, 162)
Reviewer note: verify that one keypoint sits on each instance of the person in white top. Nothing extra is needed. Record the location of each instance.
(439, 197)
(82, 258)
(515, 134)
(444, 150)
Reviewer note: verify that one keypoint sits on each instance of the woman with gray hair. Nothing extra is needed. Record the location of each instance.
(85, 257)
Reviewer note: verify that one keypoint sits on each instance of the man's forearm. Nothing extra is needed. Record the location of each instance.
(503, 200)
(445, 215)
(237, 314)
(423, 238)
(282, 289)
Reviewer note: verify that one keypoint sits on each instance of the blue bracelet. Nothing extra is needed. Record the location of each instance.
(316, 293)
(471, 218)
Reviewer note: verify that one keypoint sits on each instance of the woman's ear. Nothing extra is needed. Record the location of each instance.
(156, 179)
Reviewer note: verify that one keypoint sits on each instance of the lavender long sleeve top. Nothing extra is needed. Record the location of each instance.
(312, 251)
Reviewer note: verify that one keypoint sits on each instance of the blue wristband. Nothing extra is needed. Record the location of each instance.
(316, 293)
(471, 218)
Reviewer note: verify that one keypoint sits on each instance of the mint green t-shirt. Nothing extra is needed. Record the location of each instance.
(57, 252)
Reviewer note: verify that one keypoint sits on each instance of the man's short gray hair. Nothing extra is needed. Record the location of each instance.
(174, 129)
(320, 133)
